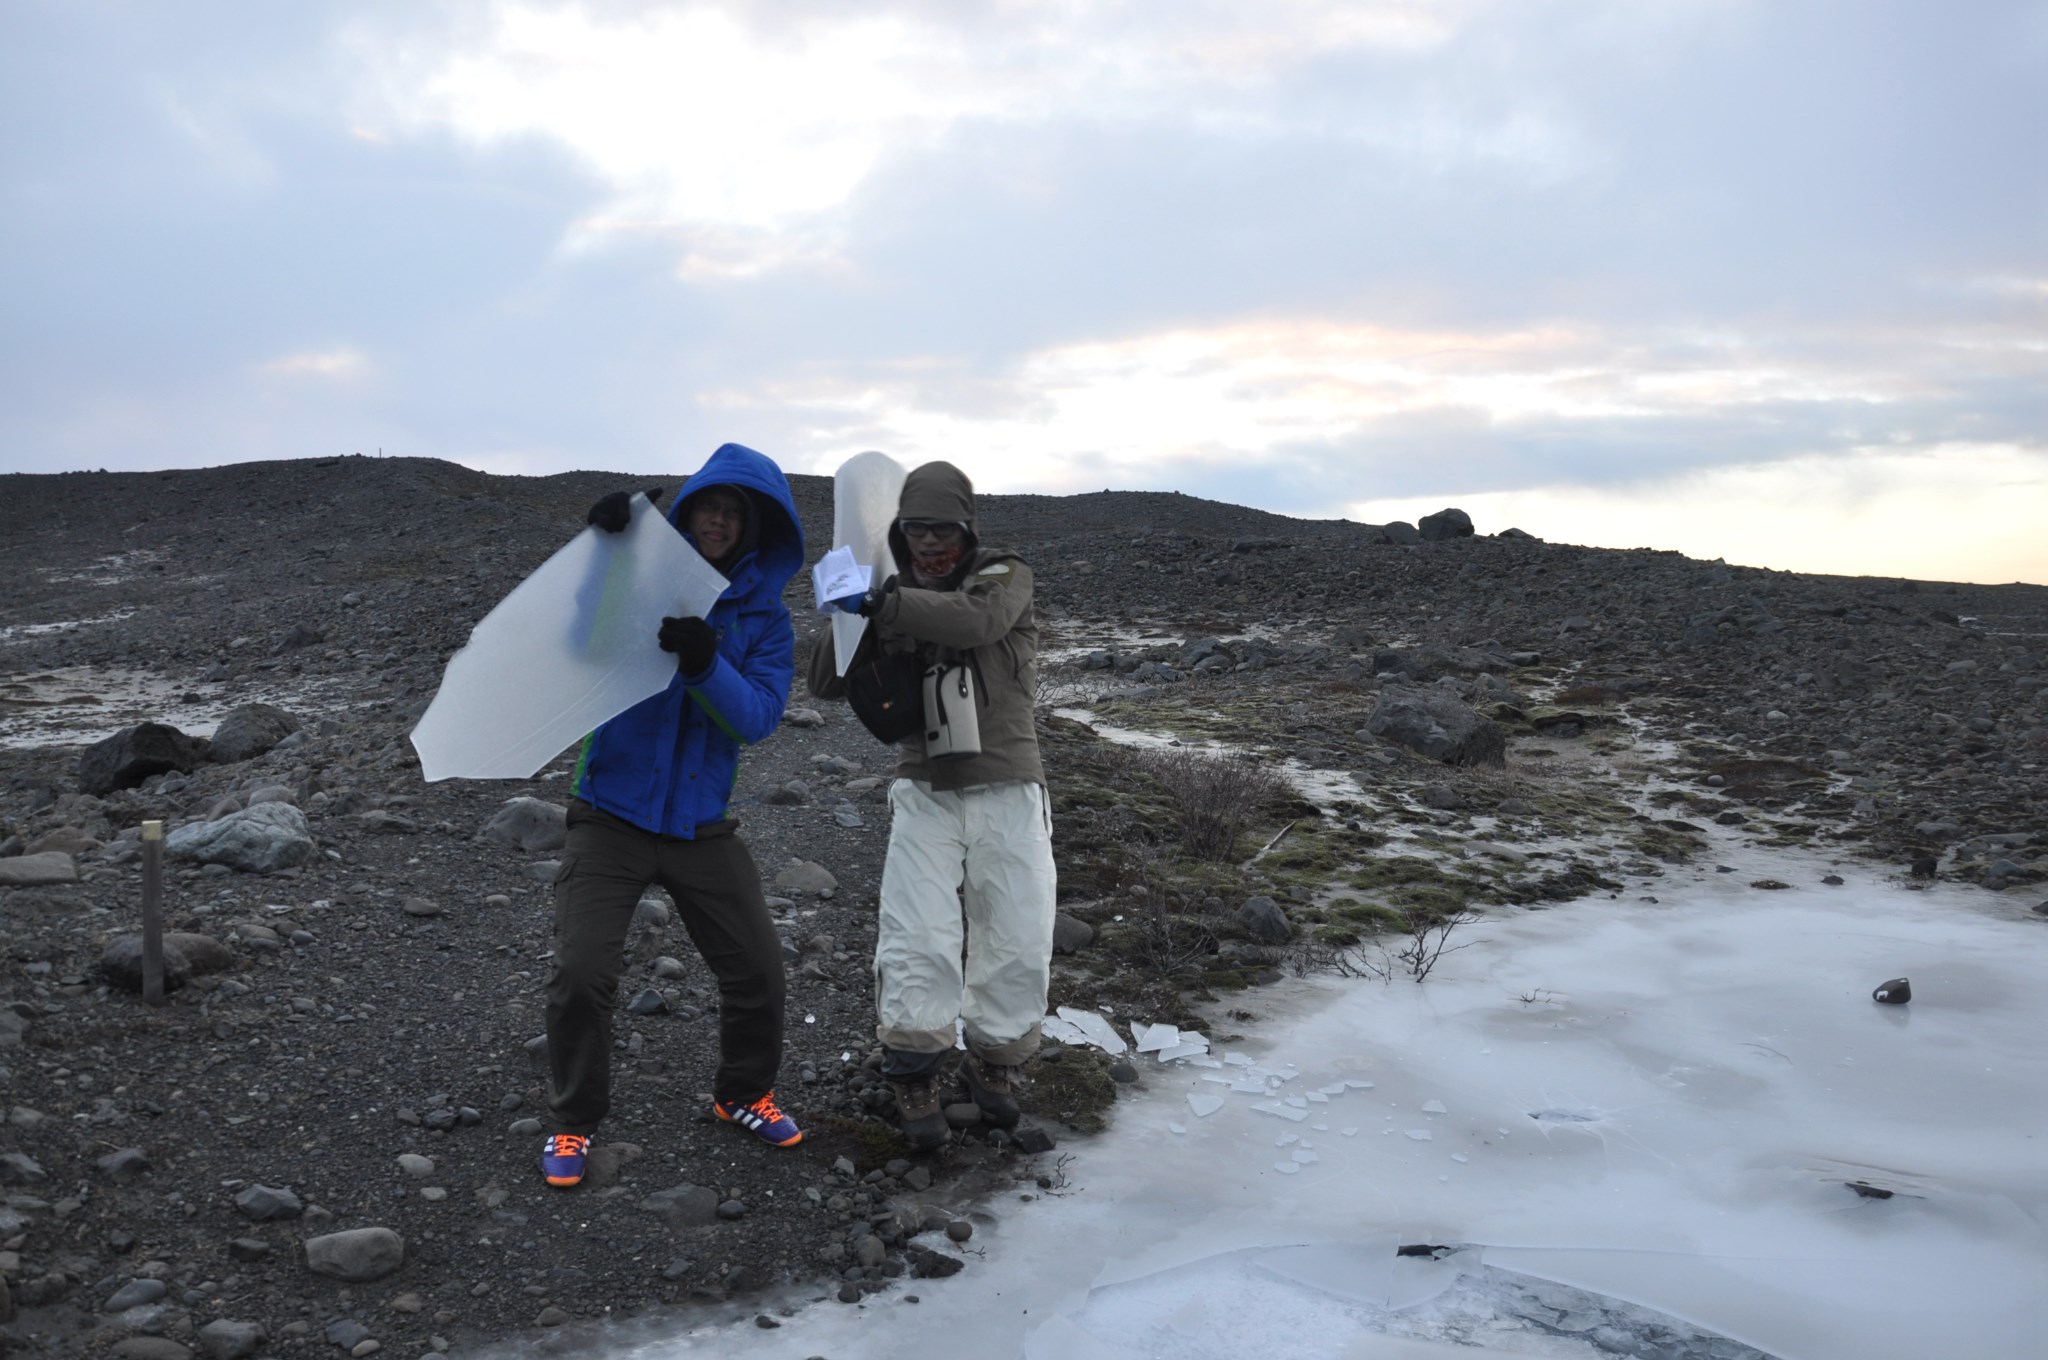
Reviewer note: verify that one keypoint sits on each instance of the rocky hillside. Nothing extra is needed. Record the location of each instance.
(327, 1137)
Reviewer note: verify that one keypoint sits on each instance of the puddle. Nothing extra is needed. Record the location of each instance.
(21, 632)
(79, 705)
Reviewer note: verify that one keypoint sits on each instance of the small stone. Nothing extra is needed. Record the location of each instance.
(732, 1210)
(959, 1230)
(135, 1293)
(226, 1339)
(1897, 992)
(123, 1164)
(264, 1204)
(420, 906)
(550, 1316)
(647, 1001)
(415, 1166)
(358, 1255)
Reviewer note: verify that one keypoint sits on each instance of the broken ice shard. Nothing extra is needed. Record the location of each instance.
(1096, 1029)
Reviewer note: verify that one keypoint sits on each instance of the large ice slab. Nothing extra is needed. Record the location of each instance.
(572, 645)
(865, 493)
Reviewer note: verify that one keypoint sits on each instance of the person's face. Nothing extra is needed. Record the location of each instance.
(930, 541)
(715, 520)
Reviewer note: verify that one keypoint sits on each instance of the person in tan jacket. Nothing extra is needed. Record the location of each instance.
(969, 870)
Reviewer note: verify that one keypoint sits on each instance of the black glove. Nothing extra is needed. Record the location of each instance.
(614, 512)
(693, 642)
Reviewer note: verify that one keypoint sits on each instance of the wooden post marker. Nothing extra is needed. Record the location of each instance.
(153, 913)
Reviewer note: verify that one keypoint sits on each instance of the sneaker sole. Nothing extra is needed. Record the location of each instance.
(565, 1181)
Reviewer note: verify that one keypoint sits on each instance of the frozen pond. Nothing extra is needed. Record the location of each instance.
(1637, 1124)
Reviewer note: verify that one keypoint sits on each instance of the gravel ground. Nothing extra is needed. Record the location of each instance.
(357, 1031)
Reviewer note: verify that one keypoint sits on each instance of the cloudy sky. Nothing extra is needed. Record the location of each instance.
(1757, 279)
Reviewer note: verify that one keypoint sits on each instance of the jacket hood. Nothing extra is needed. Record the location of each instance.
(934, 491)
(774, 533)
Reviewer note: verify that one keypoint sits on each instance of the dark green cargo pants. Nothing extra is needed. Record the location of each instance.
(606, 865)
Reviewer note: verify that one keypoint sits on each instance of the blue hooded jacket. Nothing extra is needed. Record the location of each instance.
(668, 764)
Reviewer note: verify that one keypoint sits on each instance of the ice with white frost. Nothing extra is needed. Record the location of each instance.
(1651, 1117)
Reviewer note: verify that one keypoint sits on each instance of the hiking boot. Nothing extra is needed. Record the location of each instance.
(994, 1088)
(917, 1103)
(562, 1158)
(763, 1117)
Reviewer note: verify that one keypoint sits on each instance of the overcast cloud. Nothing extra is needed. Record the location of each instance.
(1766, 280)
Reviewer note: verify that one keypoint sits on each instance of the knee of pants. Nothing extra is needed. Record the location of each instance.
(582, 989)
(753, 989)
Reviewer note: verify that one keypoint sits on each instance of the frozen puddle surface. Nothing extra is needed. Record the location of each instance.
(1635, 1123)
(78, 705)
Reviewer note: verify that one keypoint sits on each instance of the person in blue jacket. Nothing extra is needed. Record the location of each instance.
(649, 806)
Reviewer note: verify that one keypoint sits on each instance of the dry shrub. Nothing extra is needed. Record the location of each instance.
(1214, 797)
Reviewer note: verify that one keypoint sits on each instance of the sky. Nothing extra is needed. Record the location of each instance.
(1764, 280)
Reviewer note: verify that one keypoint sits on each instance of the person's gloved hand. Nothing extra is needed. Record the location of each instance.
(852, 604)
(614, 512)
(693, 642)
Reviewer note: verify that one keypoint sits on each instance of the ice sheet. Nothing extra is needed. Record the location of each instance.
(1649, 1117)
(865, 494)
(572, 645)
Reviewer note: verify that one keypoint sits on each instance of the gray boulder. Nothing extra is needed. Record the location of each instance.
(529, 824)
(249, 731)
(227, 1339)
(257, 840)
(38, 870)
(268, 1203)
(358, 1255)
(805, 877)
(1445, 524)
(1437, 725)
(1401, 531)
(1070, 934)
(133, 754)
(185, 955)
(1264, 921)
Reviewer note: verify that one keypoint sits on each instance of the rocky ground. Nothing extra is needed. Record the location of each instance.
(346, 1081)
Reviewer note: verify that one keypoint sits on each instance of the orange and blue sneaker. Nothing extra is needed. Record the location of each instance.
(562, 1158)
(763, 1117)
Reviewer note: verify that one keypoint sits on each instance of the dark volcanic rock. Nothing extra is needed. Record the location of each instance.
(1444, 524)
(133, 754)
(249, 731)
(1439, 726)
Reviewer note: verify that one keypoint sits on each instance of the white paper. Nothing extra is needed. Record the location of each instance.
(837, 576)
(572, 645)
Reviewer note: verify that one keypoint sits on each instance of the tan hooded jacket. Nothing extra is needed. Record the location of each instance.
(985, 615)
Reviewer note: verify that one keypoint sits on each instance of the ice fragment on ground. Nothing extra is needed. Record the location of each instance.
(1152, 1038)
(1459, 1157)
(1421, 1135)
(1284, 1111)
(1284, 1139)
(1175, 1126)
(1256, 1088)
(1357, 1085)
(1204, 1104)
(1185, 1050)
(1304, 1157)
(1434, 1107)
(1318, 1098)
(1237, 1060)
(1094, 1029)
(1335, 1088)
(1055, 1028)
(1287, 1168)
(1297, 1102)
(1350, 1130)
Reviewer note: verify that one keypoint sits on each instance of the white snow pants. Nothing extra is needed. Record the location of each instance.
(989, 849)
